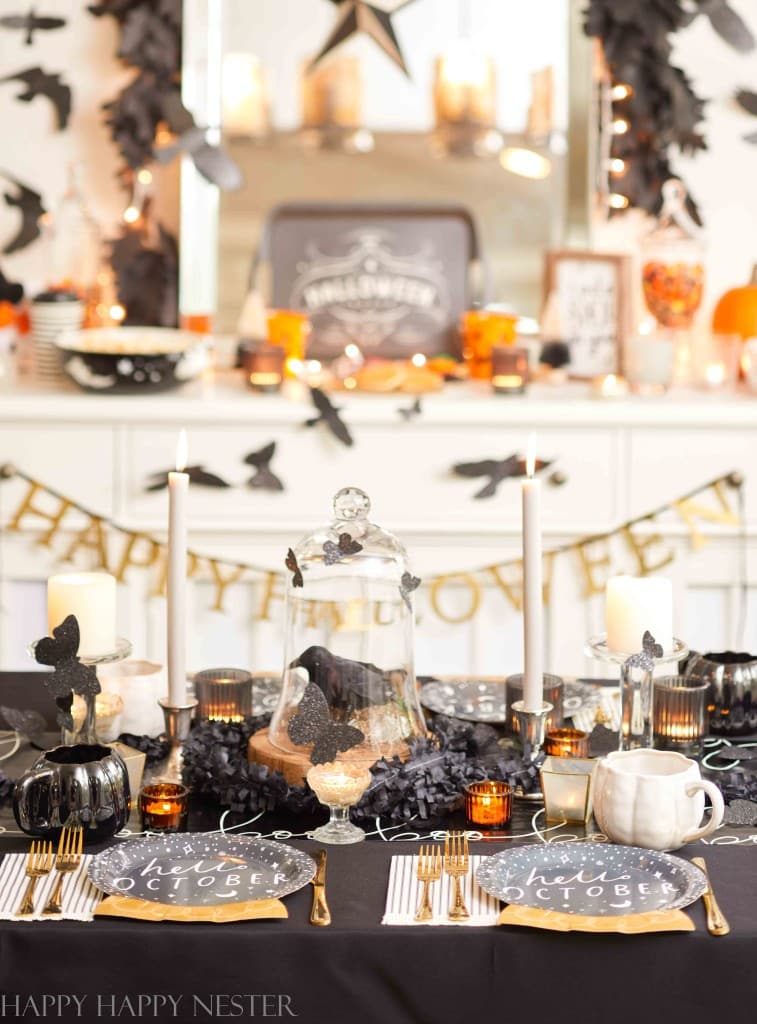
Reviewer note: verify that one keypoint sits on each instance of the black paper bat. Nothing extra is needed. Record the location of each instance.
(40, 83)
(333, 553)
(31, 23)
(197, 475)
(409, 411)
(30, 205)
(728, 24)
(211, 161)
(408, 584)
(291, 563)
(312, 724)
(497, 471)
(70, 676)
(747, 100)
(329, 414)
(264, 479)
(10, 291)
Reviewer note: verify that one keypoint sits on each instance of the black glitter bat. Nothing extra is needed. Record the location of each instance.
(31, 23)
(329, 414)
(70, 676)
(40, 83)
(213, 164)
(408, 584)
(409, 411)
(30, 205)
(264, 479)
(291, 563)
(197, 475)
(333, 553)
(312, 724)
(497, 471)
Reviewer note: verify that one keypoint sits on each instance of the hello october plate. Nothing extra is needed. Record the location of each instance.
(592, 879)
(201, 869)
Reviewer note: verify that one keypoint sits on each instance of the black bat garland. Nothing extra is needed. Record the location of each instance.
(329, 415)
(497, 470)
(31, 23)
(410, 411)
(40, 83)
(29, 204)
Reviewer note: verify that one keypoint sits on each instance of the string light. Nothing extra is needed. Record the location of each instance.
(131, 215)
(621, 91)
(620, 126)
(617, 166)
(117, 313)
(618, 201)
(144, 177)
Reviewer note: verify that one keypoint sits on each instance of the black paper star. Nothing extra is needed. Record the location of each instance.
(359, 16)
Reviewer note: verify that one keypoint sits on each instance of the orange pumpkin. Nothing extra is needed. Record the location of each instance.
(736, 312)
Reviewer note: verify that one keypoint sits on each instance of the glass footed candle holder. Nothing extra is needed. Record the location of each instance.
(339, 786)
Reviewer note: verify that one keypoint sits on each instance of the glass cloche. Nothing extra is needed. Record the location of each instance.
(349, 688)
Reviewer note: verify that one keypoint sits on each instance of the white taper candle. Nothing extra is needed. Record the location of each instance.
(533, 676)
(178, 487)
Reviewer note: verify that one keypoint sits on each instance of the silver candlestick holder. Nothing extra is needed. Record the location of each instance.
(178, 719)
(637, 671)
(532, 729)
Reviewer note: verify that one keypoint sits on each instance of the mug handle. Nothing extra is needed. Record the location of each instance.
(716, 813)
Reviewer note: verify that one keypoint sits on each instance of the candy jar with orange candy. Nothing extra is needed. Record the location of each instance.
(673, 262)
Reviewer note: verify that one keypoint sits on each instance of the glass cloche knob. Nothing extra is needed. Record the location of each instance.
(351, 503)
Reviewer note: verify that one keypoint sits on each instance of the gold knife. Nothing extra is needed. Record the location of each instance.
(716, 922)
(320, 915)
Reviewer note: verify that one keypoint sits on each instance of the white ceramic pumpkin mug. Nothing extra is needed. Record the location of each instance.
(654, 799)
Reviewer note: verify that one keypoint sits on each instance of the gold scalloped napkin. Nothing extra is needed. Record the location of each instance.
(146, 910)
(626, 924)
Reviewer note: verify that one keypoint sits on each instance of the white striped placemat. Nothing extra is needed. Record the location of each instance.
(80, 897)
(405, 891)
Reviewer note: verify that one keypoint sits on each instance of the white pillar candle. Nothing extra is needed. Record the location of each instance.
(178, 487)
(635, 605)
(533, 606)
(91, 597)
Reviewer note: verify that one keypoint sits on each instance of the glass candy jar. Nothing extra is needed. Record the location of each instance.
(349, 690)
(673, 262)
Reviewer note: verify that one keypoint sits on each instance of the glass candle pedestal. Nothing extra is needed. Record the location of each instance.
(163, 807)
(339, 786)
(636, 689)
(680, 714)
(488, 804)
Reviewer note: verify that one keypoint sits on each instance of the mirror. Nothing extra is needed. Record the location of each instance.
(479, 123)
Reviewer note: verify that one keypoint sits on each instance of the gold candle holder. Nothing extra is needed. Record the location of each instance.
(164, 807)
(488, 804)
(567, 784)
(567, 743)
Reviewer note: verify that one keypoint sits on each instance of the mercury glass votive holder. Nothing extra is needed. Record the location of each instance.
(567, 743)
(163, 807)
(488, 804)
(339, 786)
(509, 369)
(567, 784)
(263, 366)
(680, 714)
(223, 694)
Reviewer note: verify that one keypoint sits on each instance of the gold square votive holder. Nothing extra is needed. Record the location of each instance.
(488, 804)
(567, 784)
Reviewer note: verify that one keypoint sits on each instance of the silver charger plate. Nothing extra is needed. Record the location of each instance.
(595, 879)
(473, 700)
(579, 696)
(265, 693)
(201, 870)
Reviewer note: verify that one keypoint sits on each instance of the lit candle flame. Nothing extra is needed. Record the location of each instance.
(418, 359)
(181, 452)
(352, 351)
(531, 455)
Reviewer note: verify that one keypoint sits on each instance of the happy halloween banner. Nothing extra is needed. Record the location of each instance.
(120, 551)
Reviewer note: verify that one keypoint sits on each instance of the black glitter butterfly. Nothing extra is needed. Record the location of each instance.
(291, 563)
(408, 584)
(407, 412)
(264, 479)
(70, 676)
(312, 724)
(336, 552)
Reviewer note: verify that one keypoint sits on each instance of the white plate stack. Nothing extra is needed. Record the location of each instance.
(51, 314)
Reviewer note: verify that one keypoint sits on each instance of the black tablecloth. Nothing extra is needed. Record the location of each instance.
(359, 970)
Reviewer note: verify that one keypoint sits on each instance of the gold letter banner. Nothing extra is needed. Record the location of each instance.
(43, 509)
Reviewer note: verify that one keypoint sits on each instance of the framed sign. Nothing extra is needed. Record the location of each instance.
(591, 293)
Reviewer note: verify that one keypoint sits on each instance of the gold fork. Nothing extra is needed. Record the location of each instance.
(456, 864)
(67, 859)
(39, 862)
(429, 870)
